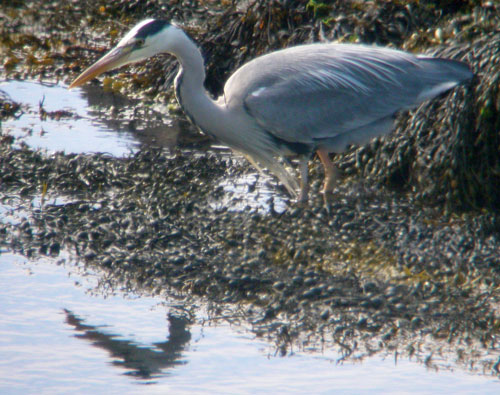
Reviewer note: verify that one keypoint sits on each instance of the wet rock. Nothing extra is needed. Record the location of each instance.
(312, 293)
(376, 302)
(54, 249)
(416, 322)
(325, 314)
(370, 287)
(279, 285)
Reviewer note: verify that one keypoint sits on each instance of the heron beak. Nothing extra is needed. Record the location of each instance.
(115, 58)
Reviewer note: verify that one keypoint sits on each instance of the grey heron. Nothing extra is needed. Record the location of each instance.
(296, 101)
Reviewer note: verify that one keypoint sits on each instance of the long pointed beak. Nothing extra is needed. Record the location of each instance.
(113, 59)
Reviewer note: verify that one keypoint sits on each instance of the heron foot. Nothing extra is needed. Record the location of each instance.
(331, 177)
(327, 200)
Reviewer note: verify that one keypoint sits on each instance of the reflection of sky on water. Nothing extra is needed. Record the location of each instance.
(56, 337)
(38, 338)
(95, 128)
(77, 134)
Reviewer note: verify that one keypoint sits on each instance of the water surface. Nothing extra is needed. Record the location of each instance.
(95, 121)
(57, 335)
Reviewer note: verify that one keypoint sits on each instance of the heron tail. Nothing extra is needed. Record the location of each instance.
(442, 75)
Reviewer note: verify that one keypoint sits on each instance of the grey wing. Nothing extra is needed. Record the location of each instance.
(318, 92)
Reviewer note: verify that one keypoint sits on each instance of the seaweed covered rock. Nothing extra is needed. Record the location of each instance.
(448, 150)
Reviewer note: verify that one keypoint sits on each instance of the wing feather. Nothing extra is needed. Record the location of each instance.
(320, 91)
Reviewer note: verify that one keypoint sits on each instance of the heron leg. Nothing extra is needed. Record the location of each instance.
(331, 176)
(304, 180)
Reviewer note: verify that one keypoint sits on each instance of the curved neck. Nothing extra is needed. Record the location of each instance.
(190, 91)
(192, 65)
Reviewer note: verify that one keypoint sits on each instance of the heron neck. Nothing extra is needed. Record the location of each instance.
(192, 65)
(190, 91)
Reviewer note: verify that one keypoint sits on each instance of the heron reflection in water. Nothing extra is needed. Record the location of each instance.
(315, 98)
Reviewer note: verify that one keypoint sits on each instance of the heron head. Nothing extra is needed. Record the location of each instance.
(146, 39)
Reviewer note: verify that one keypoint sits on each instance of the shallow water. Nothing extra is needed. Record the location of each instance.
(79, 131)
(102, 122)
(58, 336)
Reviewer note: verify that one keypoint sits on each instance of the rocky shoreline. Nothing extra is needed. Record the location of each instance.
(397, 265)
